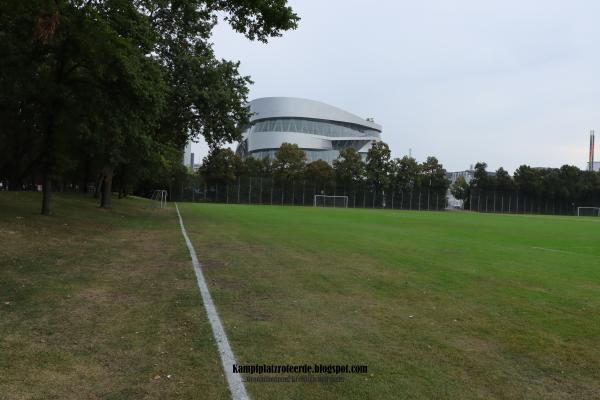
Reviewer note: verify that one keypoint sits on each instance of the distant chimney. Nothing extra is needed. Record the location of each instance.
(591, 160)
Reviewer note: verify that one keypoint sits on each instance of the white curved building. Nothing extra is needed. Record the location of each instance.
(317, 128)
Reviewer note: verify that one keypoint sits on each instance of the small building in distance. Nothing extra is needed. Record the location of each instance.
(468, 174)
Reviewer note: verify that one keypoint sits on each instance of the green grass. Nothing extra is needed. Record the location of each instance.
(98, 304)
(438, 305)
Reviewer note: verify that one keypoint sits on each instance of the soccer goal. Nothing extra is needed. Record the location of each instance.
(322, 200)
(159, 199)
(588, 211)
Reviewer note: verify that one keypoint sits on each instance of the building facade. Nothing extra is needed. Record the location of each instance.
(188, 156)
(317, 128)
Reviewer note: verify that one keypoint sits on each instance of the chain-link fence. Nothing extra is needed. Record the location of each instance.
(518, 203)
(268, 191)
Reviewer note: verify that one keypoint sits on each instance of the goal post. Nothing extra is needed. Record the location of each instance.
(588, 211)
(322, 200)
(159, 198)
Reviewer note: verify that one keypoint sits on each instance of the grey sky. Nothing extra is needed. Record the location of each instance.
(506, 82)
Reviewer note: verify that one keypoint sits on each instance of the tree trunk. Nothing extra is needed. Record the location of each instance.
(46, 195)
(106, 198)
(86, 177)
(99, 185)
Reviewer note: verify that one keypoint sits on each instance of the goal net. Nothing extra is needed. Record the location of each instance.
(588, 211)
(322, 200)
(159, 199)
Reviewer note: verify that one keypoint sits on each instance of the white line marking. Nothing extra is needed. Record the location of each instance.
(236, 386)
(552, 250)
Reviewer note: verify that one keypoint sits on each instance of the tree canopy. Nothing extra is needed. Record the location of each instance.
(107, 85)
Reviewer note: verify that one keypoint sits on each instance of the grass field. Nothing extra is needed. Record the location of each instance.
(98, 304)
(438, 305)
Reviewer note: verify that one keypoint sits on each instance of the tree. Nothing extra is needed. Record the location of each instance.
(378, 166)
(528, 181)
(460, 188)
(406, 173)
(113, 73)
(220, 166)
(289, 162)
(256, 167)
(481, 179)
(349, 167)
(319, 172)
(434, 175)
(504, 182)
(570, 176)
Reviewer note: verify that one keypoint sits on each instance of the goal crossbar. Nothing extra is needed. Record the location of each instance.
(323, 200)
(588, 211)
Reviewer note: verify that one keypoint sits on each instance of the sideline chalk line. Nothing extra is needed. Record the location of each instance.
(236, 386)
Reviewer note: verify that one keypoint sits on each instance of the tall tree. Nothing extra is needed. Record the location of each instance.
(289, 162)
(378, 166)
(349, 168)
(146, 67)
(528, 181)
(406, 173)
(460, 188)
(481, 179)
(504, 182)
(319, 172)
(220, 166)
(434, 175)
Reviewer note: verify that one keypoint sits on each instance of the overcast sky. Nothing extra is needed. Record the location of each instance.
(505, 82)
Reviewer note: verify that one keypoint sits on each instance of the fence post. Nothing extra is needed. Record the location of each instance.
(250, 191)
(303, 190)
(428, 208)
(532, 203)
(238, 192)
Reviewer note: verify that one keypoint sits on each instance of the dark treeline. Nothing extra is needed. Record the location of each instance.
(377, 182)
(530, 190)
(105, 94)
